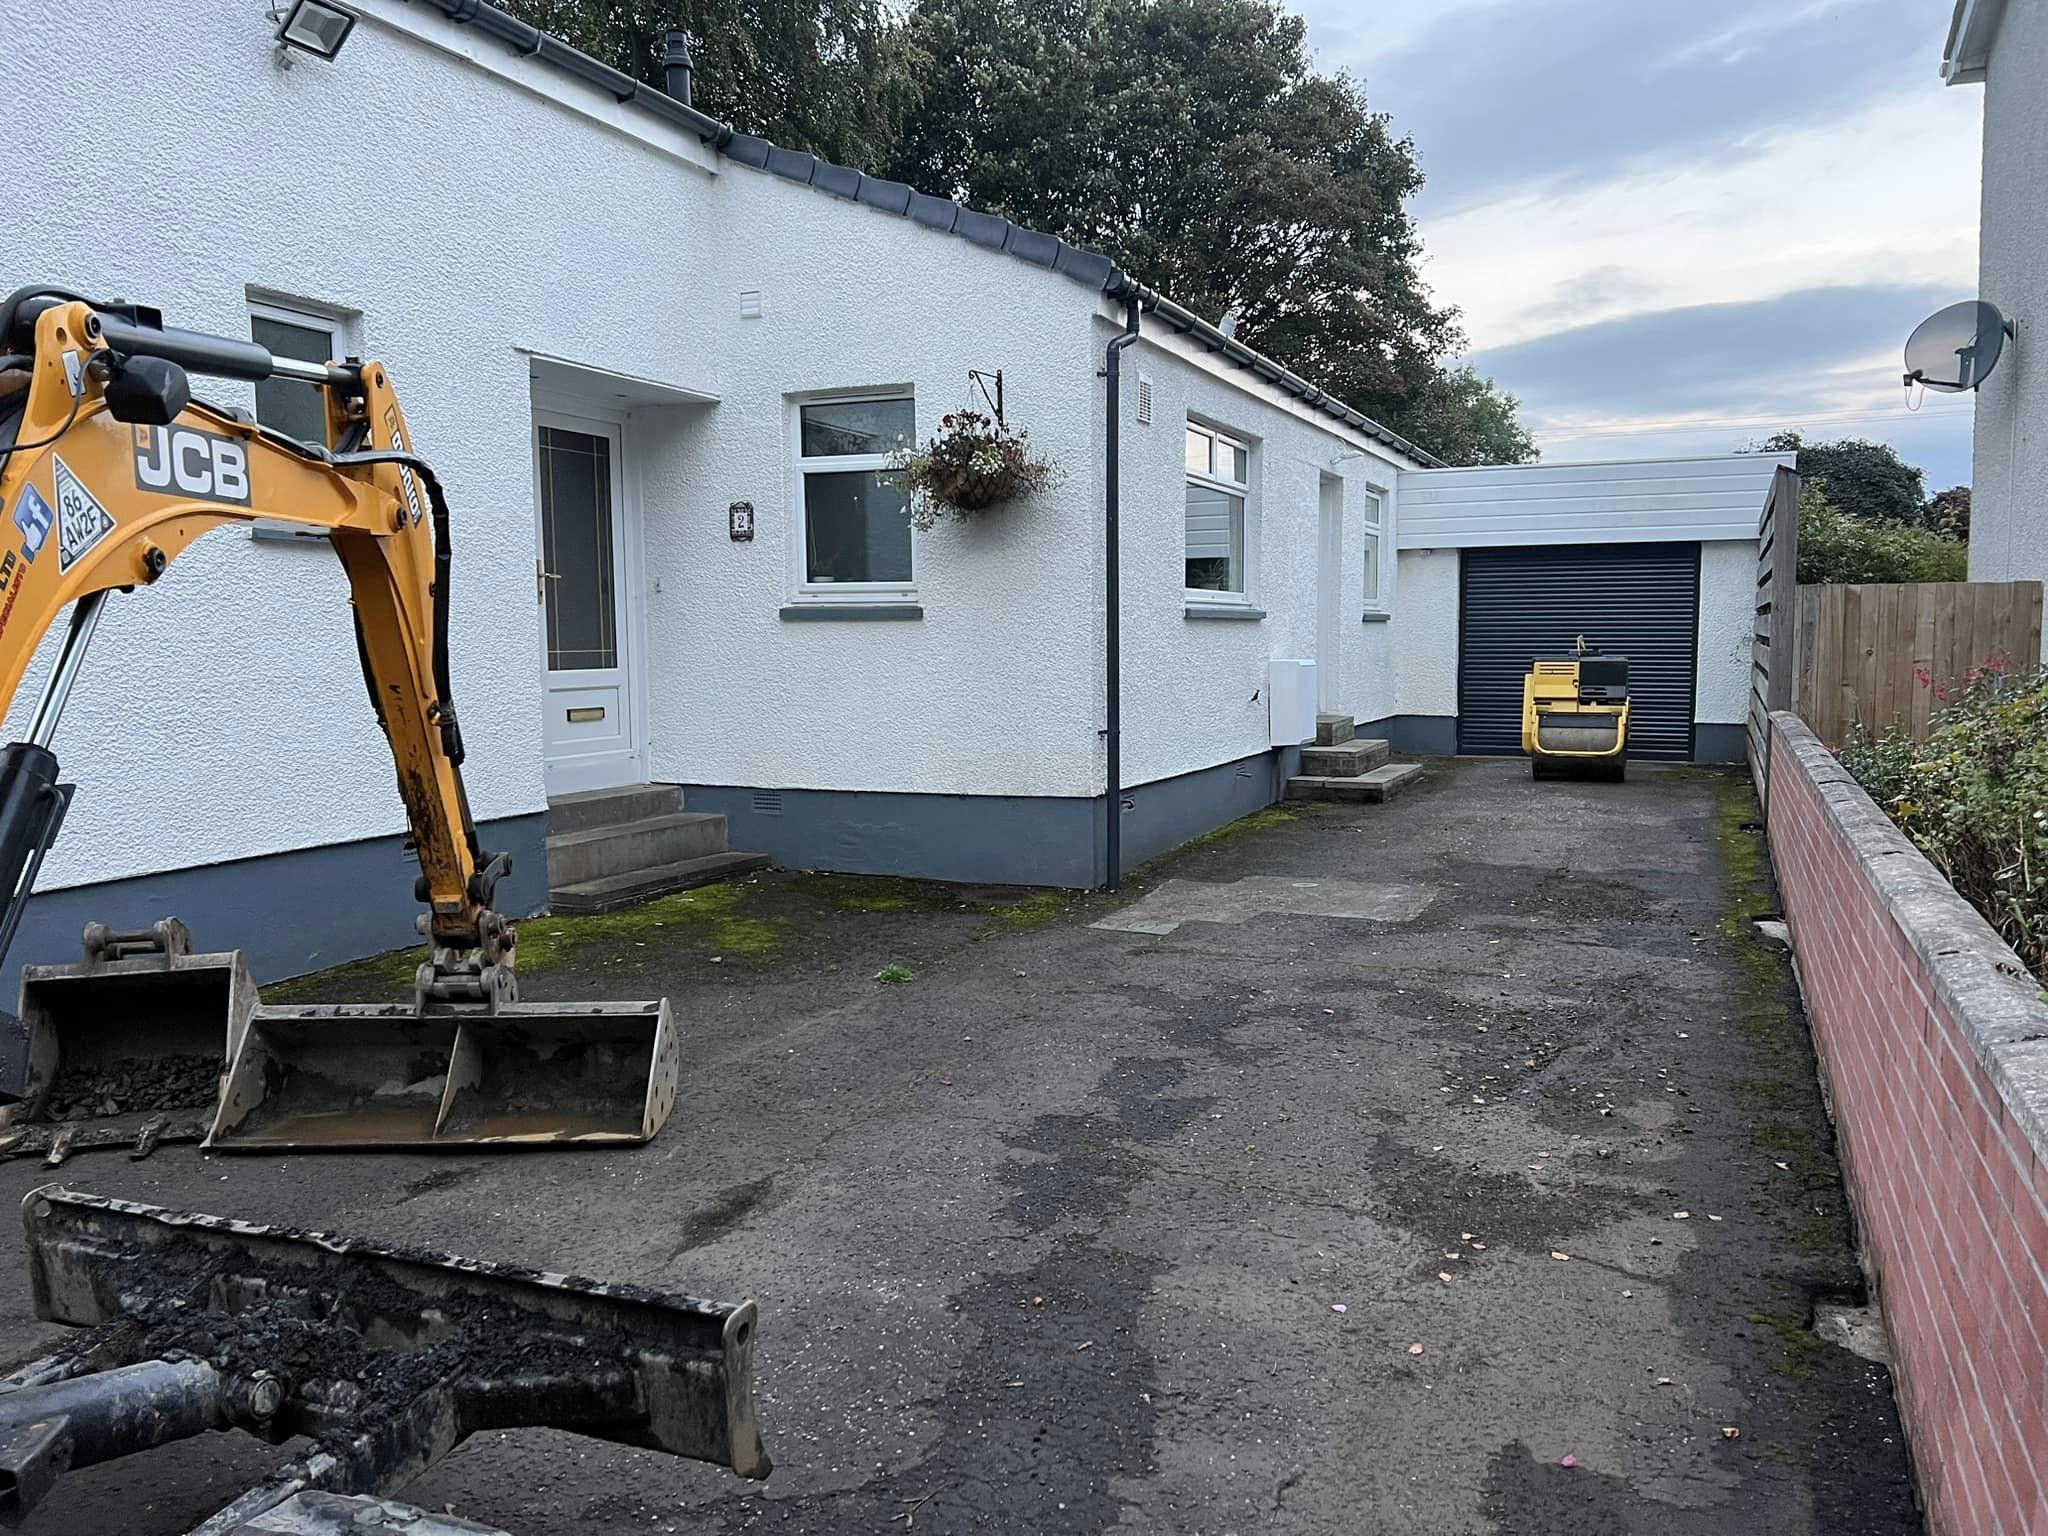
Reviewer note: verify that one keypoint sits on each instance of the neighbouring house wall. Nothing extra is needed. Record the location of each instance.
(1194, 689)
(1935, 1051)
(2009, 476)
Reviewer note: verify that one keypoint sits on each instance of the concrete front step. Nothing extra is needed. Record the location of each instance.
(590, 809)
(1348, 760)
(1383, 783)
(1333, 730)
(614, 891)
(576, 857)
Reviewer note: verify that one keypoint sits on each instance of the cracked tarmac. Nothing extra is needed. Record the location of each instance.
(1053, 1238)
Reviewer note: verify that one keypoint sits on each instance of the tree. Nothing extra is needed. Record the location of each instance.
(1464, 418)
(1834, 546)
(1949, 512)
(1861, 478)
(834, 77)
(1191, 142)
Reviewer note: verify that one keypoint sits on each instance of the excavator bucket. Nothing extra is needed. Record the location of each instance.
(519, 1074)
(135, 1033)
(383, 1358)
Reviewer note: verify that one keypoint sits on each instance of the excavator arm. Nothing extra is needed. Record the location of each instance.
(114, 471)
(109, 470)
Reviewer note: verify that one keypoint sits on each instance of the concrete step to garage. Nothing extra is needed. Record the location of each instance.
(612, 847)
(1346, 760)
(1333, 730)
(1382, 783)
(635, 886)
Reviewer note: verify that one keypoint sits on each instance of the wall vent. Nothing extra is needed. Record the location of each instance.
(767, 802)
(1144, 400)
(750, 303)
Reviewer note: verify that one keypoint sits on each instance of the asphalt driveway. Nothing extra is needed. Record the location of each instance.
(1448, 1166)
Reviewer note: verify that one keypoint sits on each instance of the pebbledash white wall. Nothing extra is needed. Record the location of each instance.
(1194, 689)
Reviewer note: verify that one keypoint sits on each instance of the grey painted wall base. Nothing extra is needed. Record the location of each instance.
(988, 839)
(1416, 735)
(288, 913)
(1712, 743)
(1437, 736)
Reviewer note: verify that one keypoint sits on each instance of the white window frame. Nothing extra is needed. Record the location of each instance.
(1376, 533)
(340, 326)
(1241, 552)
(801, 585)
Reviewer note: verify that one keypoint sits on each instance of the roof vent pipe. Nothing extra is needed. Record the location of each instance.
(677, 65)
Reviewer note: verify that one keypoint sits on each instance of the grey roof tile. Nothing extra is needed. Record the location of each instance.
(984, 229)
(889, 196)
(1033, 245)
(839, 180)
(934, 212)
(792, 164)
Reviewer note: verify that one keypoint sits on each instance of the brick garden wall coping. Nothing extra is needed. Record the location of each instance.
(1987, 991)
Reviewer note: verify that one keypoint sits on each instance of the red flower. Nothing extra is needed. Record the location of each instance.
(1920, 676)
(1997, 661)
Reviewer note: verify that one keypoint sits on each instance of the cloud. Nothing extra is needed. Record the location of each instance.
(1548, 94)
(1825, 360)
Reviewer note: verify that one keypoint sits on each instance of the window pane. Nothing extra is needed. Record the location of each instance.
(1198, 451)
(1372, 508)
(1232, 463)
(857, 426)
(1372, 567)
(576, 542)
(1215, 538)
(856, 528)
(298, 410)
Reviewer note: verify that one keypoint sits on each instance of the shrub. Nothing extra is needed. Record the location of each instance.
(1835, 547)
(1974, 797)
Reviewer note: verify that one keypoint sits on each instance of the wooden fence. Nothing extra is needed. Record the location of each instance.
(1771, 659)
(1882, 655)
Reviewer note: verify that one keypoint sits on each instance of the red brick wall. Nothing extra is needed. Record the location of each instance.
(1923, 1022)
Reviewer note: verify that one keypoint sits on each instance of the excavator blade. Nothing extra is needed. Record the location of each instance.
(354, 1075)
(132, 1036)
(384, 1359)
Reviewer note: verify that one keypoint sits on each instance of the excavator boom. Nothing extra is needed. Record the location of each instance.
(109, 470)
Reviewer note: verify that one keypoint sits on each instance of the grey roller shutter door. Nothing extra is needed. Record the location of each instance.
(1638, 600)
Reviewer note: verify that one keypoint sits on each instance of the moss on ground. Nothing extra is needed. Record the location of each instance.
(885, 893)
(1801, 1350)
(1259, 821)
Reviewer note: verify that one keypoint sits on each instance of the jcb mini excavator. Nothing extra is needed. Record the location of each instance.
(109, 469)
(1575, 715)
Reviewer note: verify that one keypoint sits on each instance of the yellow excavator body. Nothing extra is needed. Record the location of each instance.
(1575, 715)
(109, 470)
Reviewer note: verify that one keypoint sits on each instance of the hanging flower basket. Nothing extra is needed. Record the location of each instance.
(974, 463)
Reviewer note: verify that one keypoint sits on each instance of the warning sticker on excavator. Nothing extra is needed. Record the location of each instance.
(81, 521)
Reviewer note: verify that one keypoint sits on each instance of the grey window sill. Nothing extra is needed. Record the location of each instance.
(1223, 611)
(848, 613)
(1374, 617)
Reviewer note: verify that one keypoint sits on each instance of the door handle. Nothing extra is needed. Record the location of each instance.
(540, 574)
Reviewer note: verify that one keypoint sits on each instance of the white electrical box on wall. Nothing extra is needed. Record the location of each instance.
(1290, 702)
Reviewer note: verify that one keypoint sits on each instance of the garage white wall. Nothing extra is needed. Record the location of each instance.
(1634, 501)
(1194, 689)
(1727, 629)
(1425, 634)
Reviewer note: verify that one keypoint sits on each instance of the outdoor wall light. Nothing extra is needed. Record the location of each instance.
(317, 27)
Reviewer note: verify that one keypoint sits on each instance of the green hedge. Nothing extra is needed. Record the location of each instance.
(1835, 547)
(1974, 797)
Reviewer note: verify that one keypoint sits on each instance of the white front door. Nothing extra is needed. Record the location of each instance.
(580, 583)
(1330, 689)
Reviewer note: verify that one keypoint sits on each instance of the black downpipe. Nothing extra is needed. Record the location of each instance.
(1112, 595)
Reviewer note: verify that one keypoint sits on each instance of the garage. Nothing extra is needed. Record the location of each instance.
(1637, 600)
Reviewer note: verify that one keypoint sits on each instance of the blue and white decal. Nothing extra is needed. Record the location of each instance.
(32, 515)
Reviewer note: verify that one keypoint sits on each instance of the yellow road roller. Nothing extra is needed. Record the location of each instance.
(1575, 715)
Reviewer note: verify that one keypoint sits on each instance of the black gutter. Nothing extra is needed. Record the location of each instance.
(1112, 600)
(531, 42)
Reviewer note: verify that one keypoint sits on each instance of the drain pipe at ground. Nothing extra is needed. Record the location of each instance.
(1112, 588)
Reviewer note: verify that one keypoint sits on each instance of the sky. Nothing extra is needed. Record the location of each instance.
(1677, 227)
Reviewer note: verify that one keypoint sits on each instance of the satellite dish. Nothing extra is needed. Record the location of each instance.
(1955, 349)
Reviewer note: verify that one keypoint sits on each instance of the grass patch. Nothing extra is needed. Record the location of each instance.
(885, 893)
(895, 971)
(1801, 1350)
(1034, 911)
(1259, 821)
